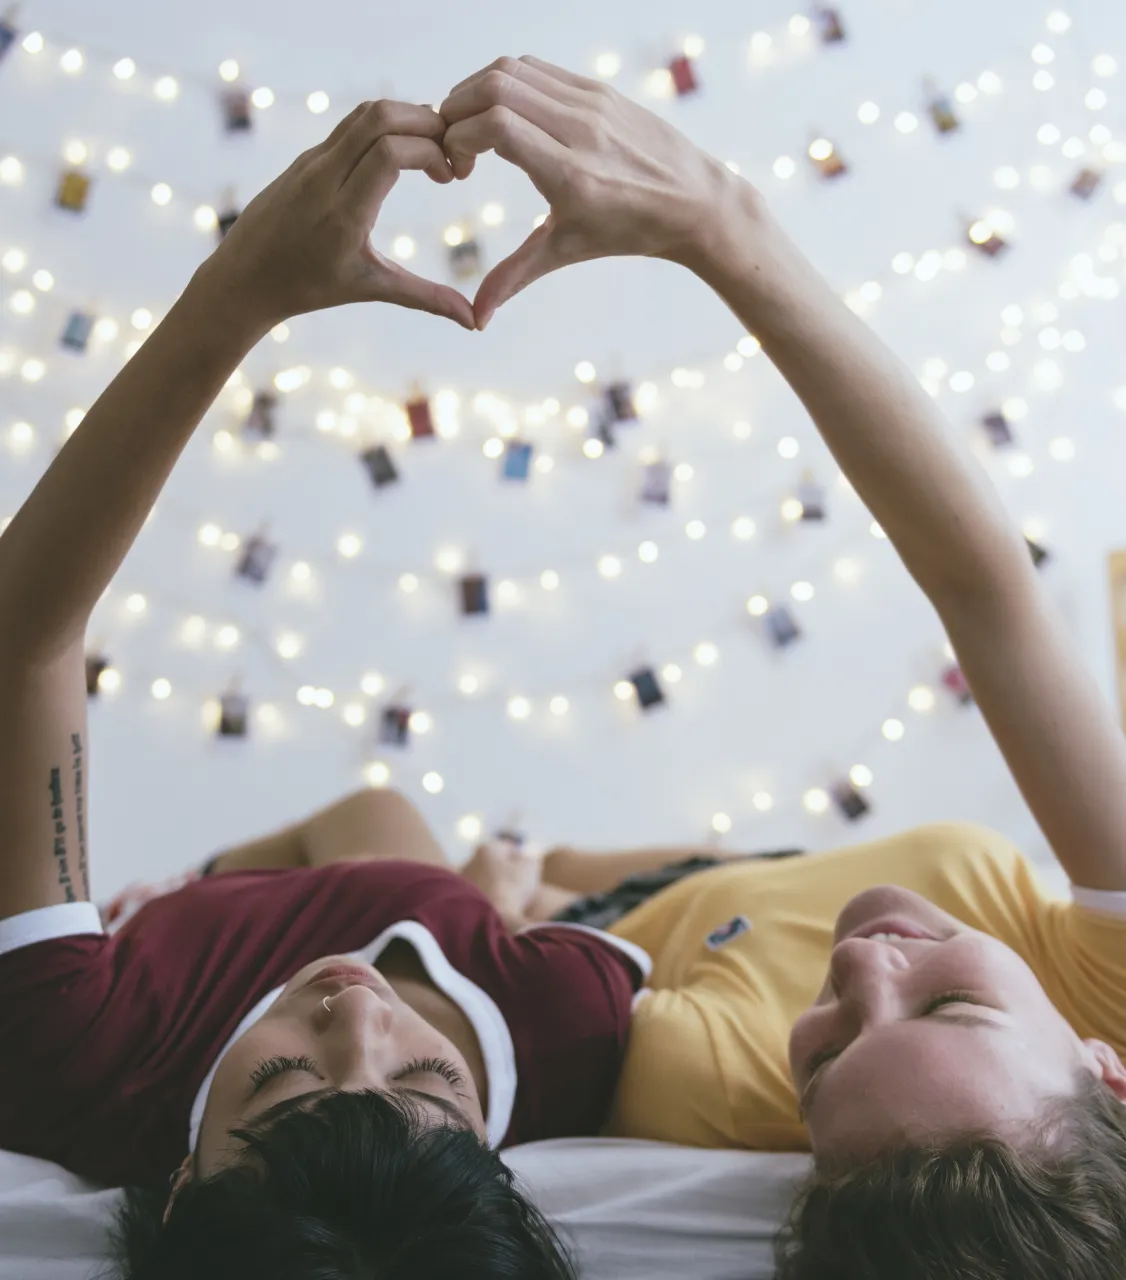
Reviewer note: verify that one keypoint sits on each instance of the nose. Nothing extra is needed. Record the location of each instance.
(358, 1038)
(864, 974)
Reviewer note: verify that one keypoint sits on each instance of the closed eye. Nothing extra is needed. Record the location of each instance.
(269, 1068)
(951, 997)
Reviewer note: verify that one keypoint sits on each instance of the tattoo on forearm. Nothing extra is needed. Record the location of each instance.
(80, 812)
(61, 862)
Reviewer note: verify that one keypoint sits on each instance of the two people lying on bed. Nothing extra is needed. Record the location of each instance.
(323, 1060)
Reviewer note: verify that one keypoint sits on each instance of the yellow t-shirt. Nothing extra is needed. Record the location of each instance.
(707, 1063)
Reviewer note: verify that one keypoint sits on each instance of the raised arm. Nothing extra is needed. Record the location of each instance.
(621, 181)
(302, 245)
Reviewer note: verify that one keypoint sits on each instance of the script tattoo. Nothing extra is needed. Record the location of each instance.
(80, 811)
(61, 861)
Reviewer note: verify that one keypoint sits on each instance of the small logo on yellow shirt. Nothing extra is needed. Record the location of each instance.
(728, 932)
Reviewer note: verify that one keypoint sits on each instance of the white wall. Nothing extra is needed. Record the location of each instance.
(166, 792)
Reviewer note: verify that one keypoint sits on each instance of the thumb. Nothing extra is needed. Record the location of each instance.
(393, 283)
(536, 257)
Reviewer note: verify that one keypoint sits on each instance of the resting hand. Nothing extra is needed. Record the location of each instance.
(303, 243)
(619, 180)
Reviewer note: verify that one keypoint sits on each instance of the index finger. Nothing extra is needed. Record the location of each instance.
(512, 137)
(375, 120)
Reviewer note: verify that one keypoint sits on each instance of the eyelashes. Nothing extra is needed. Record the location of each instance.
(270, 1067)
(266, 1069)
(433, 1066)
(951, 997)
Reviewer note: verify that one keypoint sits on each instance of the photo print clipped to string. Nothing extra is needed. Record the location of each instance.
(473, 595)
(420, 417)
(234, 104)
(256, 558)
(1086, 182)
(811, 495)
(849, 800)
(76, 332)
(940, 108)
(464, 252)
(647, 688)
(395, 723)
(516, 460)
(8, 31)
(227, 214)
(955, 683)
(780, 626)
(685, 80)
(827, 160)
(984, 238)
(96, 663)
(261, 420)
(656, 482)
(234, 714)
(379, 465)
(997, 429)
(829, 24)
(73, 191)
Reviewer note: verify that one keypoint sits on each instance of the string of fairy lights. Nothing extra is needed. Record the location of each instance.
(382, 421)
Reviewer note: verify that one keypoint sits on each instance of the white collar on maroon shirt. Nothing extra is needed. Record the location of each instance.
(493, 1035)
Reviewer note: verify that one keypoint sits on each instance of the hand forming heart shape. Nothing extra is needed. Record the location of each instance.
(618, 180)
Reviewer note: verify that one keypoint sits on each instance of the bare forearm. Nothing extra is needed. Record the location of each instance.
(70, 537)
(923, 487)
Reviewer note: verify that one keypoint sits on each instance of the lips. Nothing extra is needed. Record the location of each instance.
(903, 928)
(359, 974)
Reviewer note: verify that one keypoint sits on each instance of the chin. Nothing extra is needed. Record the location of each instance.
(888, 900)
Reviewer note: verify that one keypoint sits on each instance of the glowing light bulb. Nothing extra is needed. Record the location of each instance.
(470, 827)
(802, 591)
(454, 235)
(161, 193)
(893, 730)
(593, 448)
(161, 689)
(469, 685)
(761, 43)
(118, 159)
(109, 681)
(289, 645)
(403, 247)
(14, 260)
(585, 371)
(1104, 64)
(788, 447)
(695, 529)
(660, 83)
(373, 684)
(492, 214)
(519, 708)
(349, 545)
(421, 722)
(76, 152)
(227, 636)
(433, 782)
(1058, 21)
(33, 42)
(11, 170)
(868, 113)
(228, 70)
(721, 823)
(648, 552)
(408, 583)
(72, 61)
(757, 606)
(377, 774)
(609, 566)
(22, 302)
(1062, 449)
(21, 436)
(706, 654)
(44, 281)
(262, 98)
(815, 800)
(820, 149)
(209, 535)
(125, 68)
(166, 88)
(784, 168)
(989, 82)
(1095, 100)
(136, 603)
(559, 706)
(905, 122)
(32, 370)
(671, 673)
(607, 65)
(623, 690)
(1043, 80)
(317, 102)
(743, 528)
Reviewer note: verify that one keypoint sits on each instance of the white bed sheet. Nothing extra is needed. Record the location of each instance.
(631, 1210)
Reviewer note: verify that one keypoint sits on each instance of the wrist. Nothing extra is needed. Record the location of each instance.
(232, 310)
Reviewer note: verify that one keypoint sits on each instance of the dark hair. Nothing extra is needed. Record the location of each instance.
(1052, 1208)
(357, 1187)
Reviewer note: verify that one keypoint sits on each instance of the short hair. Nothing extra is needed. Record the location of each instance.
(980, 1208)
(359, 1186)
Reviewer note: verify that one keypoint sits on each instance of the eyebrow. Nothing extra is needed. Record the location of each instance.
(973, 1020)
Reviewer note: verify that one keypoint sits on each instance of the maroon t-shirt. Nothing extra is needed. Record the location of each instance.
(106, 1039)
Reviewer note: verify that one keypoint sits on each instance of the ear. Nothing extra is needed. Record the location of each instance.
(1108, 1065)
(180, 1179)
